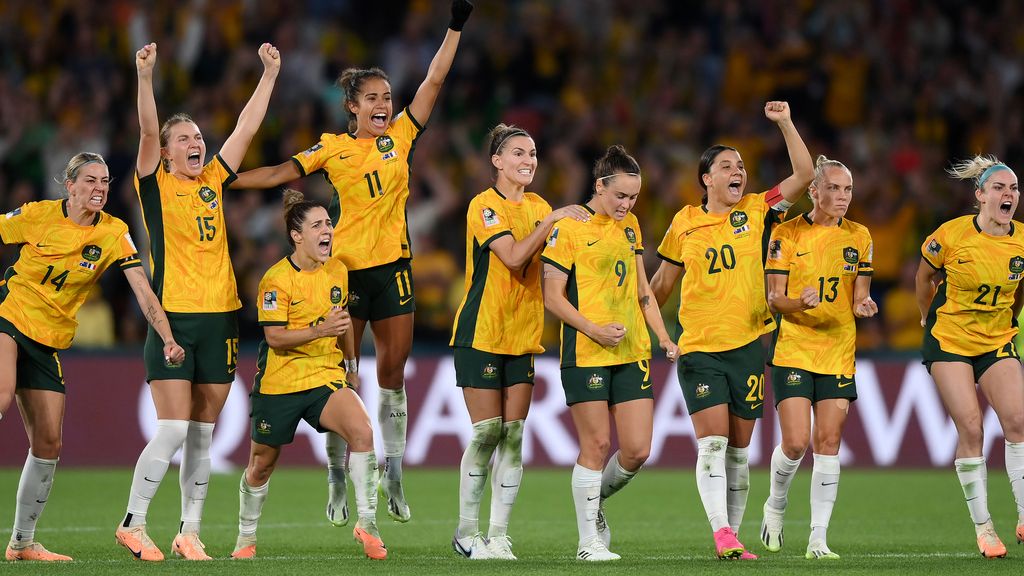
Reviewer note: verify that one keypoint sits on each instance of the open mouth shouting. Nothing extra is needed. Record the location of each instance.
(194, 161)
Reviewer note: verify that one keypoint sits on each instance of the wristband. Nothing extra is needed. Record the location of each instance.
(351, 366)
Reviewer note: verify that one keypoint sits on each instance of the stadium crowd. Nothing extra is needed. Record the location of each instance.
(896, 90)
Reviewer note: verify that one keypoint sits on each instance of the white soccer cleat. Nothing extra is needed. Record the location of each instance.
(818, 550)
(474, 547)
(393, 496)
(500, 547)
(771, 528)
(337, 503)
(593, 550)
(604, 532)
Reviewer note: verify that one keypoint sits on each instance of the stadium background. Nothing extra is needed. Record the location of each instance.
(894, 89)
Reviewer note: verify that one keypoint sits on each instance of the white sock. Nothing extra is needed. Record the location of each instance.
(506, 477)
(473, 474)
(711, 482)
(783, 471)
(737, 476)
(194, 476)
(586, 496)
(362, 466)
(151, 467)
(614, 477)
(33, 492)
(337, 448)
(824, 489)
(1015, 470)
(250, 506)
(393, 415)
(973, 475)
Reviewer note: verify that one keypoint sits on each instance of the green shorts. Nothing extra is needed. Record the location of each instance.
(38, 365)
(382, 291)
(478, 369)
(210, 340)
(734, 377)
(611, 384)
(275, 417)
(931, 352)
(797, 383)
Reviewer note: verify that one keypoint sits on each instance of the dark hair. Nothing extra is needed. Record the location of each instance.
(295, 209)
(706, 160)
(499, 135)
(351, 82)
(165, 133)
(615, 161)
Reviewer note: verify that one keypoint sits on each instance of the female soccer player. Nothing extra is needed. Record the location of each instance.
(303, 314)
(819, 277)
(369, 170)
(183, 207)
(596, 285)
(969, 292)
(497, 331)
(65, 246)
(718, 249)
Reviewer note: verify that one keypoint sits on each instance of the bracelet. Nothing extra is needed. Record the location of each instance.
(351, 366)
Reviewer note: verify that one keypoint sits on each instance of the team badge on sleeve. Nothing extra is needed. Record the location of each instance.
(309, 151)
(553, 239)
(933, 247)
(270, 300)
(775, 249)
(13, 213)
(490, 218)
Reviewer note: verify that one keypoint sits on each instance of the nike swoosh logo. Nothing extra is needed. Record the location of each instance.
(737, 489)
(40, 501)
(42, 245)
(592, 499)
(146, 478)
(471, 475)
(799, 254)
(963, 261)
(343, 157)
(176, 194)
(594, 242)
(509, 485)
(404, 301)
(756, 406)
(845, 384)
(201, 483)
(231, 370)
(829, 483)
(134, 553)
(782, 473)
(716, 476)
(649, 384)
(688, 232)
(297, 302)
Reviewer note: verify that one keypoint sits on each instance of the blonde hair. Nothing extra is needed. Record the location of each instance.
(165, 134)
(977, 169)
(824, 163)
(75, 165)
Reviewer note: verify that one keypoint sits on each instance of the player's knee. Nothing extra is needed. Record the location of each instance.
(827, 444)
(633, 458)
(46, 446)
(1013, 427)
(971, 437)
(361, 439)
(596, 447)
(794, 448)
(259, 473)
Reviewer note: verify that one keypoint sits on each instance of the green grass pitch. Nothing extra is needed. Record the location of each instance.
(884, 522)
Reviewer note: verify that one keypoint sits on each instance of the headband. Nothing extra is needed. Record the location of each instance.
(516, 132)
(989, 172)
(619, 174)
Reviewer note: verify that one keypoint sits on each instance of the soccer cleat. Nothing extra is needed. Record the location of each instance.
(771, 528)
(245, 547)
(475, 547)
(603, 530)
(393, 495)
(593, 550)
(748, 556)
(818, 550)
(34, 552)
(366, 534)
(337, 503)
(138, 543)
(990, 545)
(500, 547)
(189, 547)
(727, 546)
(1020, 534)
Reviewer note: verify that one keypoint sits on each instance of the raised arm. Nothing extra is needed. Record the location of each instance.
(925, 288)
(267, 176)
(665, 279)
(555, 300)
(154, 312)
(149, 123)
(779, 303)
(793, 187)
(516, 254)
(252, 115)
(652, 312)
(423, 103)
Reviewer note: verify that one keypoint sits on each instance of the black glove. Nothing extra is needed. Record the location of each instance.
(460, 13)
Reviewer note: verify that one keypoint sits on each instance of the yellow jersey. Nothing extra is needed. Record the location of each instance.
(599, 256)
(502, 311)
(971, 313)
(828, 259)
(370, 177)
(58, 264)
(722, 303)
(299, 299)
(188, 252)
